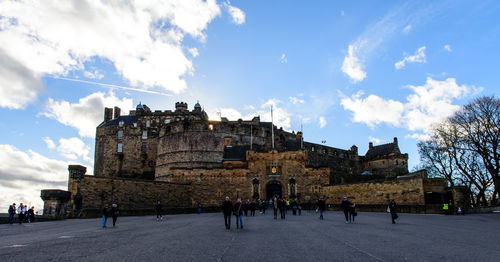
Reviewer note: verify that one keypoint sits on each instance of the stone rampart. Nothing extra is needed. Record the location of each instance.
(132, 195)
(405, 191)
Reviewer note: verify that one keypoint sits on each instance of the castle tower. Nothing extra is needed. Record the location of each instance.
(181, 106)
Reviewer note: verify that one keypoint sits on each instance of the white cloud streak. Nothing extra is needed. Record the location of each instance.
(283, 59)
(236, 13)
(418, 57)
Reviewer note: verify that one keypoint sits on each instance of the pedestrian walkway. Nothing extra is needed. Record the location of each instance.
(203, 237)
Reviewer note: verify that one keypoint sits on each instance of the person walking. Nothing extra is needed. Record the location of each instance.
(20, 213)
(238, 212)
(264, 207)
(227, 208)
(294, 207)
(352, 212)
(12, 213)
(309, 204)
(299, 207)
(321, 207)
(199, 208)
(282, 208)
(275, 207)
(30, 214)
(246, 206)
(114, 213)
(345, 206)
(159, 211)
(105, 215)
(393, 210)
(252, 208)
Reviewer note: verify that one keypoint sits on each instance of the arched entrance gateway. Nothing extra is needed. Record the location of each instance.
(273, 188)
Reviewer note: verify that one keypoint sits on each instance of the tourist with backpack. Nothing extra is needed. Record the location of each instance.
(238, 212)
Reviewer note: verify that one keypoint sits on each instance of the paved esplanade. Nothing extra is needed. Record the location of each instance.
(203, 238)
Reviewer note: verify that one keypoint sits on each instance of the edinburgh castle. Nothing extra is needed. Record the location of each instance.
(181, 157)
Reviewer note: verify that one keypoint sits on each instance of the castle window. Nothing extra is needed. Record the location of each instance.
(167, 121)
(148, 123)
(144, 147)
(121, 123)
(120, 134)
(144, 134)
(312, 149)
(120, 148)
(227, 141)
(135, 124)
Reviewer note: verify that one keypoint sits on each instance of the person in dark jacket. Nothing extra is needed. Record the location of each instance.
(159, 211)
(114, 213)
(345, 206)
(12, 213)
(282, 208)
(321, 207)
(253, 206)
(264, 206)
(352, 212)
(227, 208)
(105, 215)
(393, 211)
(31, 215)
(238, 212)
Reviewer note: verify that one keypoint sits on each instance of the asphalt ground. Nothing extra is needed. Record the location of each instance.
(203, 237)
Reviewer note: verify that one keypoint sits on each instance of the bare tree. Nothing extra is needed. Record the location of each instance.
(464, 149)
(479, 123)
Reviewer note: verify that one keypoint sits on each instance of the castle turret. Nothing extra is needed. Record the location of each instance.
(370, 145)
(181, 106)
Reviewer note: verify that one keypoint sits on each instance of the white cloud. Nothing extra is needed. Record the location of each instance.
(73, 149)
(87, 113)
(236, 13)
(24, 174)
(283, 59)
(342, 13)
(407, 29)
(296, 100)
(418, 57)
(352, 66)
(95, 74)
(143, 40)
(367, 45)
(50, 144)
(374, 140)
(428, 104)
(432, 102)
(322, 122)
(373, 110)
(193, 51)
(447, 48)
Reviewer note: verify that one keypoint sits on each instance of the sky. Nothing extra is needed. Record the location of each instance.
(345, 72)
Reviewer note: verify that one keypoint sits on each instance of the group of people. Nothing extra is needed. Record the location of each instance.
(229, 209)
(112, 211)
(23, 213)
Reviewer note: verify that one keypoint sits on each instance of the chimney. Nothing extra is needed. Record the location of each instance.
(396, 141)
(117, 112)
(108, 114)
(370, 145)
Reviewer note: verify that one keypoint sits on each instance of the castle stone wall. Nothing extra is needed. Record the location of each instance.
(132, 195)
(405, 191)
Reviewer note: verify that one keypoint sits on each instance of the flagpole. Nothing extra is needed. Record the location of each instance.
(272, 127)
